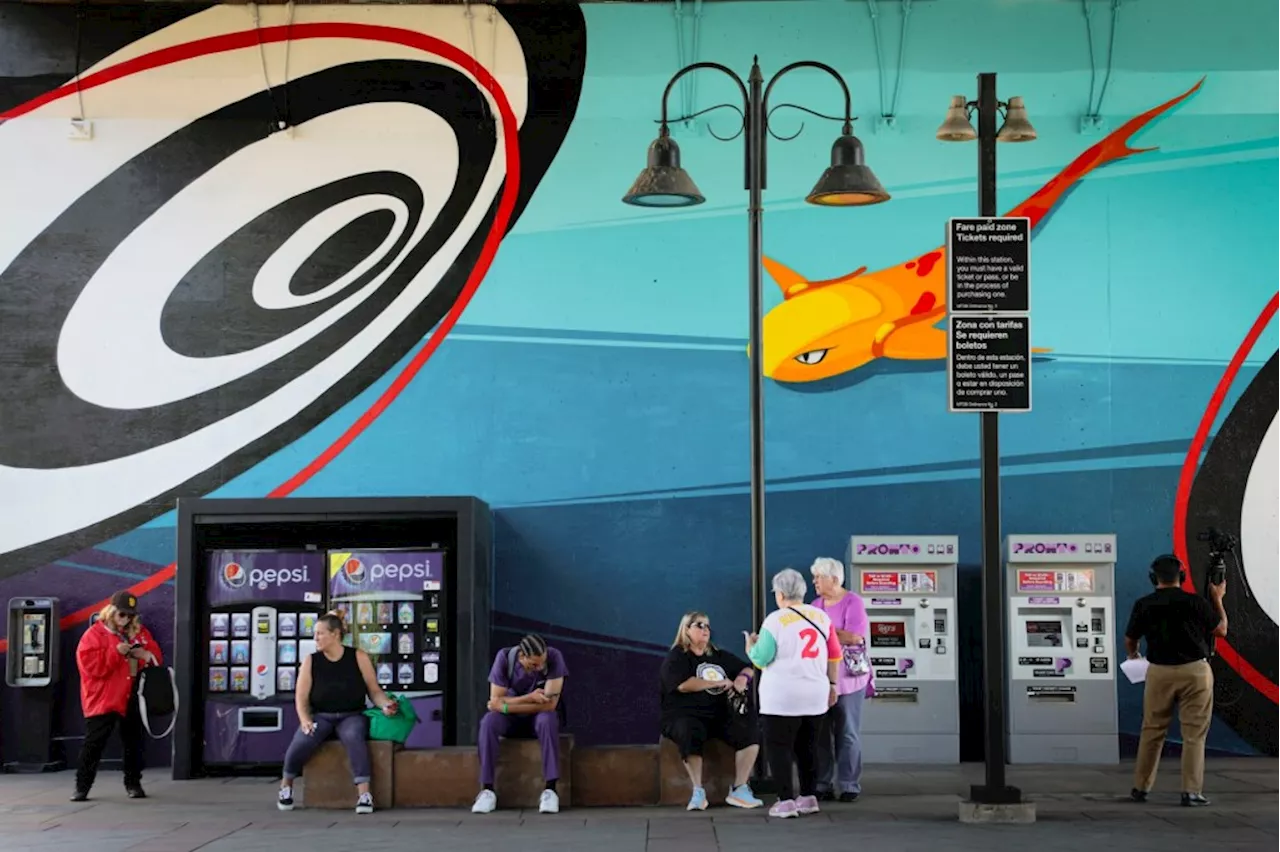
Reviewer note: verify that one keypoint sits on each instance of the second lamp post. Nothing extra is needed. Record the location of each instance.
(848, 182)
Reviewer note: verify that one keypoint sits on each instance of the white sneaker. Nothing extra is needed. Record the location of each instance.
(364, 804)
(549, 803)
(486, 802)
(285, 802)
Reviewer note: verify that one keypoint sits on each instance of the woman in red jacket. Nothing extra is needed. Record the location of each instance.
(109, 656)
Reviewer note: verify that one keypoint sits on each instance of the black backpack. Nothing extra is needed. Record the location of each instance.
(157, 696)
(513, 659)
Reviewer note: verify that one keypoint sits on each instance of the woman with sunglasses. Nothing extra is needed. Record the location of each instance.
(697, 681)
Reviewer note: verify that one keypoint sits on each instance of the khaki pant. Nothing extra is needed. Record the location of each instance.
(1190, 686)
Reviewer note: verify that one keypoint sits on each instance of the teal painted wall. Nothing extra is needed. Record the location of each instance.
(595, 391)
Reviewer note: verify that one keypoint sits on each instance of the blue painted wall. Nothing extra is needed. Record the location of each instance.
(595, 393)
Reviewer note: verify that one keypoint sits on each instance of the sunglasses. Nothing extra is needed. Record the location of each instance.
(701, 625)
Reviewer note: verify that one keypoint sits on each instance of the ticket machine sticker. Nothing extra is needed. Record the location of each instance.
(888, 634)
(1056, 581)
(899, 581)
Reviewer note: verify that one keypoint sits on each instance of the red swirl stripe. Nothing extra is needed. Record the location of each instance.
(502, 218)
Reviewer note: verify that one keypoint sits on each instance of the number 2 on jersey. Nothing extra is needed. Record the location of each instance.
(810, 650)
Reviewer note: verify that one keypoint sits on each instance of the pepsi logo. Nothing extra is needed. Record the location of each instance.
(354, 571)
(262, 668)
(234, 575)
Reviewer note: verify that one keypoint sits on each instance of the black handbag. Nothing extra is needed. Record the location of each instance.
(157, 696)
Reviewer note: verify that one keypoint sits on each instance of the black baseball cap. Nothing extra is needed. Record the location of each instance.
(125, 602)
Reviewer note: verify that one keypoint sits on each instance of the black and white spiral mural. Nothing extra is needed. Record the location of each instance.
(1235, 492)
(211, 287)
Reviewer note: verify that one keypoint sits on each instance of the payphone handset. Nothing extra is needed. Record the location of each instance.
(908, 586)
(35, 642)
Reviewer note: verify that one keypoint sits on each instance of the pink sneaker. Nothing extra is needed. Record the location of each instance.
(807, 804)
(784, 809)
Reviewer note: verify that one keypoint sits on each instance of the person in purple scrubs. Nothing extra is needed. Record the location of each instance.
(840, 763)
(525, 687)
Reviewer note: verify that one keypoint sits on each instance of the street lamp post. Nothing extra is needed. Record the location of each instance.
(849, 182)
(1016, 128)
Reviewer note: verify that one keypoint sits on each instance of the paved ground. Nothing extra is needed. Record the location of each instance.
(903, 810)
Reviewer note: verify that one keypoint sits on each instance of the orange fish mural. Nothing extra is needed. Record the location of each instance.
(826, 328)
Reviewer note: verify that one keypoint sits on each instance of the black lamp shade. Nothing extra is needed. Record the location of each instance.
(663, 183)
(849, 182)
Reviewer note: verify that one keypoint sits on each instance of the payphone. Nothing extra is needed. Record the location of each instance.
(908, 584)
(33, 665)
(1062, 649)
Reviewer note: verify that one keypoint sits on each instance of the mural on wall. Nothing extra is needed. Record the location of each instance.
(268, 308)
(1235, 492)
(195, 302)
(825, 328)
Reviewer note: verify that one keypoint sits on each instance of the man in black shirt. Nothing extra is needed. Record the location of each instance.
(1178, 627)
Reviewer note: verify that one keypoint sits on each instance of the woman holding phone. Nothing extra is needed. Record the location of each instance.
(110, 654)
(333, 684)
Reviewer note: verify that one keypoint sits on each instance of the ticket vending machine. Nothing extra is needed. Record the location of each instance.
(33, 669)
(909, 586)
(1062, 649)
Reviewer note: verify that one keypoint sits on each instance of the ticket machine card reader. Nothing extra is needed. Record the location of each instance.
(1062, 648)
(908, 586)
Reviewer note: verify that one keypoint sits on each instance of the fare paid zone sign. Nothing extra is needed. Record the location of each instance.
(989, 322)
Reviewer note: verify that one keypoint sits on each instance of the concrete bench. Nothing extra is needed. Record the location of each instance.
(326, 779)
(616, 776)
(717, 773)
(604, 776)
(450, 777)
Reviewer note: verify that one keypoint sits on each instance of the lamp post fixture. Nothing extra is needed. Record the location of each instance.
(1016, 128)
(849, 182)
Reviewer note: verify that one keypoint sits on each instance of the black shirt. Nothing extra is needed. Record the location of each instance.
(680, 665)
(338, 686)
(1177, 626)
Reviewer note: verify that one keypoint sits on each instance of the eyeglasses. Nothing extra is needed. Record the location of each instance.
(701, 625)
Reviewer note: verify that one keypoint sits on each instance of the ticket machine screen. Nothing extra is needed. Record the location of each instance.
(888, 634)
(1044, 634)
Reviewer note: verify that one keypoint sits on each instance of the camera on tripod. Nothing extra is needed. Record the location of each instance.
(1220, 544)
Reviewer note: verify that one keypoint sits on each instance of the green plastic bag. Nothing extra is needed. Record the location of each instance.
(395, 728)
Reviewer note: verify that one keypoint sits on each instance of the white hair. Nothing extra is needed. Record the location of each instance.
(825, 566)
(790, 584)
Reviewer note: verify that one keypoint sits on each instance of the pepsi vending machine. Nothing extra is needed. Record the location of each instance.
(394, 603)
(259, 619)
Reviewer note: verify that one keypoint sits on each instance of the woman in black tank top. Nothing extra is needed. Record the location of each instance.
(330, 698)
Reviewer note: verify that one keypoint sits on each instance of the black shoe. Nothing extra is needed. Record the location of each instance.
(1137, 795)
(848, 797)
(135, 792)
(825, 796)
(1194, 800)
(80, 796)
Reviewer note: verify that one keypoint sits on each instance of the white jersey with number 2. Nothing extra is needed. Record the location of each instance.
(795, 682)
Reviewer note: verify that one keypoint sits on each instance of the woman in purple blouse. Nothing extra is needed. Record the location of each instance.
(840, 764)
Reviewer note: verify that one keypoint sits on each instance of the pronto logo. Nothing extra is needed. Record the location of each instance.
(1045, 547)
(236, 576)
(885, 548)
(357, 573)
